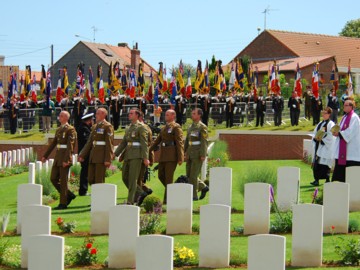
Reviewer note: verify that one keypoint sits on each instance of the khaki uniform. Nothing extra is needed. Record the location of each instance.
(171, 141)
(136, 150)
(64, 141)
(196, 144)
(100, 148)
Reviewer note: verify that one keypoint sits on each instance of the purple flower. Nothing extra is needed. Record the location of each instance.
(316, 192)
(271, 194)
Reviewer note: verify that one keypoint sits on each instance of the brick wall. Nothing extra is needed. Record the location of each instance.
(242, 146)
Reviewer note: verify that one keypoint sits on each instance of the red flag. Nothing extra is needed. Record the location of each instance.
(59, 92)
(298, 85)
(315, 80)
(165, 83)
(188, 86)
(275, 84)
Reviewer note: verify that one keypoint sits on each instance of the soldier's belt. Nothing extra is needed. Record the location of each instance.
(99, 143)
(168, 144)
(61, 146)
(195, 143)
(134, 144)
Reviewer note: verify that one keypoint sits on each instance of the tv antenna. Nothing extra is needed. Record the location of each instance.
(95, 29)
(267, 11)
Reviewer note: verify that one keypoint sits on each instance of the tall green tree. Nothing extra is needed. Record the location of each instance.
(351, 29)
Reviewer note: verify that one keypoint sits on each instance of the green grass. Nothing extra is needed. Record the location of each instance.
(79, 211)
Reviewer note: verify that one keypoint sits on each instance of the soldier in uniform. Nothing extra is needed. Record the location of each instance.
(135, 145)
(180, 109)
(294, 105)
(64, 140)
(172, 149)
(196, 144)
(78, 111)
(13, 112)
(229, 108)
(84, 131)
(260, 109)
(278, 107)
(205, 105)
(316, 108)
(115, 107)
(99, 147)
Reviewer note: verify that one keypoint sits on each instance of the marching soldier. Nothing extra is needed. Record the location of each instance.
(64, 140)
(196, 144)
(136, 149)
(99, 147)
(172, 149)
(84, 132)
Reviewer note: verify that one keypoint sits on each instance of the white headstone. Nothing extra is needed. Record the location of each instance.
(288, 187)
(27, 154)
(46, 166)
(35, 220)
(220, 186)
(352, 178)
(154, 252)
(23, 157)
(46, 252)
(38, 166)
(18, 155)
(103, 197)
(266, 252)
(51, 162)
(214, 248)
(308, 148)
(31, 151)
(179, 209)
(336, 207)
(32, 173)
(1, 158)
(123, 232)
(9, 159)
(256, 208)
(14, 159)
(307, 235)
(4, 155)
(27, 194)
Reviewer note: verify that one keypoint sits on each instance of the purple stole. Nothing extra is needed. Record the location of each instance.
(342, 145)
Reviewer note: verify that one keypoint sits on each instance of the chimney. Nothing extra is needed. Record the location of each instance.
(135, 58)
(122, 44)
(2, 60)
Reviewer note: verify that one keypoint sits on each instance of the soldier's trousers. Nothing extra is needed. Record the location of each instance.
(83, 187)
(166, 174)
(193, 169)
(96, 173)
(59, 178)
(130, 175)
(140, 182)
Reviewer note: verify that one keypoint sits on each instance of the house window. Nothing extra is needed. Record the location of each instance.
(106, 52)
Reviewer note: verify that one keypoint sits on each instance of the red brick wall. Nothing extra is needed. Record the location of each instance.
(241, 146)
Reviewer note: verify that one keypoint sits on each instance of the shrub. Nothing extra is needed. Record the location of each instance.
(75, 169)
(259, 175)
(33, 157)
(282, 223)
(183, 256)
(87, 254)
(349, 251)
(43, 178)
(65, 227)
(354, 225)
(239, 230)
(17, 169)
(218, 156)
(152, 202)
(150, 223)
(11, 255)
(195, 228)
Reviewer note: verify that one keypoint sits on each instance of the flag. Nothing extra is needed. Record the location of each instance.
(132, 83)
(180, 78)
(11, 86)
(217, 79)
(253, 79)
(222, 77)
(1, 92)
(349, 81)
(141, 80)
(173, 87)
(274, 83)
(334, 77)
(297, 84)
(48, 87)
(22, 88)
(124, 80)
(59, 92)
(100, 84)
(113, 82)
(239, 74)
(232, 79)
(80, 79)
(65, 82)
(315, 80)
(206, 84)
(156, 92)
(199, 80)
(149, 95)
(90, 88)
(42, 80)
(160, 77)
(165, 82)
(27, 82)
(33, 89)
(256, 80)
(188, 86)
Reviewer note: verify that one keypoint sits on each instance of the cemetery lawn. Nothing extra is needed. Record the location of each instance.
(79, 211)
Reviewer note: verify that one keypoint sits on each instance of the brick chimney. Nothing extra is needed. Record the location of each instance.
(135, 58)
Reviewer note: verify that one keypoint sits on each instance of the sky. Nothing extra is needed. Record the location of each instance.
(165, 30)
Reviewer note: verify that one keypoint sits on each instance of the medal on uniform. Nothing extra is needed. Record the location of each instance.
(63, 135)
(100, 131)
(169, 130)
(133, 134)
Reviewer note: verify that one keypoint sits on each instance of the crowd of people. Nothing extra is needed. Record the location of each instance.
(136, 151)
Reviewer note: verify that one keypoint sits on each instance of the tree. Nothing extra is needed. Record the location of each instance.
(351, 29)
(212, 64)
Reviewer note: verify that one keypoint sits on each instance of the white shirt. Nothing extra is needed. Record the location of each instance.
(352, 137)
(325, 151)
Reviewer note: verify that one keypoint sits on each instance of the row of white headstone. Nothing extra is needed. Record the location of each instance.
(15, 157)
